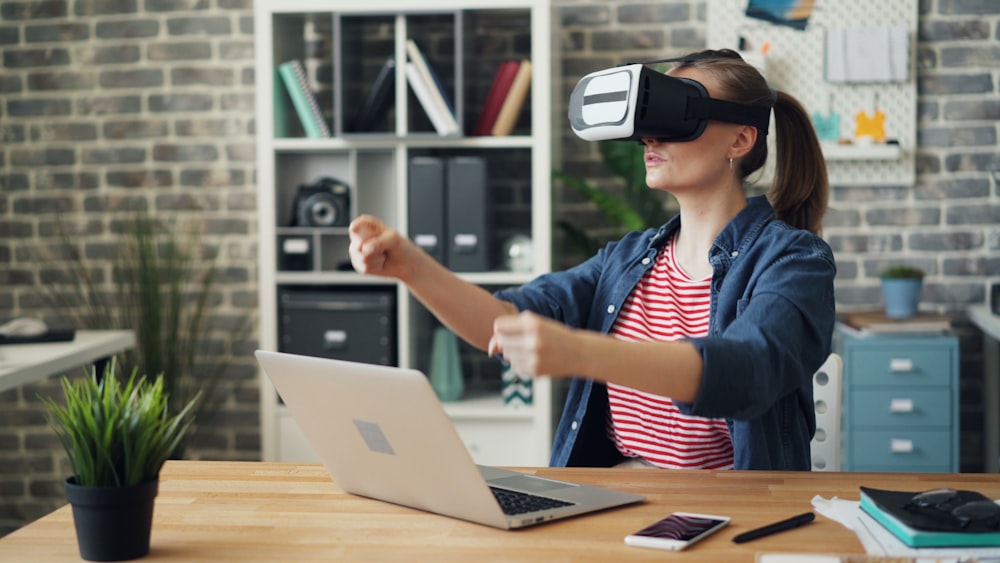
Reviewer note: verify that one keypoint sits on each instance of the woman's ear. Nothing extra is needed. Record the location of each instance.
(746, 138)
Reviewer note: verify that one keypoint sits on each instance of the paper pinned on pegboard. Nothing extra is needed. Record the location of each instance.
(867, 54)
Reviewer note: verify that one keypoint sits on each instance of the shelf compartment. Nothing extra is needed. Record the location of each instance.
(492, 37)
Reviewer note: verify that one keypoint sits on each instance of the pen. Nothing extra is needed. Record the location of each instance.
(793, 522)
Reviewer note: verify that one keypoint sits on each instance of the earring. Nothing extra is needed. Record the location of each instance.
(730, 164)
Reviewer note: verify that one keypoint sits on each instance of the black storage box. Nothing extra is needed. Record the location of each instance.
(358, 325)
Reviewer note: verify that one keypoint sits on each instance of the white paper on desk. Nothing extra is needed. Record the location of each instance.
(878, 541)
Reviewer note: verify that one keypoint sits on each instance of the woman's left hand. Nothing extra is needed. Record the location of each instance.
(534, 345)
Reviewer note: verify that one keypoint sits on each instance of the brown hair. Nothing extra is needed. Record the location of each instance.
(800, 188)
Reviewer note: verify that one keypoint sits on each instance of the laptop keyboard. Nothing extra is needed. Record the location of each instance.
(516, 502)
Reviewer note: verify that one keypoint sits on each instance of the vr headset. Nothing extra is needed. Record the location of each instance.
(633, 101)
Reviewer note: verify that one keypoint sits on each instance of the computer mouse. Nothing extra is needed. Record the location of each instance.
(24, 326)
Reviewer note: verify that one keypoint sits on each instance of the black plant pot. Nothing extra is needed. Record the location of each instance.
(112, 523)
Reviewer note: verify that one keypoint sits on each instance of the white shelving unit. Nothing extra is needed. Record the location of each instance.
(345, 40)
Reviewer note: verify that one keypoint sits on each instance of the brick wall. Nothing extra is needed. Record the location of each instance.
(110, 105)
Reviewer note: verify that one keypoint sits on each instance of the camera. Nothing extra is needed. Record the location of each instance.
(324, 203)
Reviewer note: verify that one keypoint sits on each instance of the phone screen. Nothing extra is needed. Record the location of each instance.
(677, 531)
(680, 527)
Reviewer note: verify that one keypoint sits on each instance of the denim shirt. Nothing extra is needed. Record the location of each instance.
(770, 328)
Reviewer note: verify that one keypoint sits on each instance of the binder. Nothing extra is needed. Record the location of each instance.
(426, 204)
(468, 220)
(294, 77)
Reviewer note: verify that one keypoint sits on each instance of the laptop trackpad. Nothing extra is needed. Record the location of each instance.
(529, 484)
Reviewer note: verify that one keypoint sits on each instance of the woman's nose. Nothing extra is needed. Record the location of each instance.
(649, 141)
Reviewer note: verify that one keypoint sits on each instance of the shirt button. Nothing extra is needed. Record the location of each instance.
(645, 261)
(611, 309)
(574, 425)
(734, 253)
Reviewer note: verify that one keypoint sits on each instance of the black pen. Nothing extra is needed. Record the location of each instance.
(793, 522)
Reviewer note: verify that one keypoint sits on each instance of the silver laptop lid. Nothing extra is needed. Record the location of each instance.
(382, 433)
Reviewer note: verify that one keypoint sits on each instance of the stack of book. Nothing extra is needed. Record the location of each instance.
(875, 322)
(430, 92)
(929, 526)
(504, 99)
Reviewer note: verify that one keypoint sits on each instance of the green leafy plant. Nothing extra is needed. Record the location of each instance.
(638, 206)
(161, 288)
(117, 434)
(902, 271)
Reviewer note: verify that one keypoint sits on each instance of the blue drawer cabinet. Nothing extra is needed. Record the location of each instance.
(900, 402)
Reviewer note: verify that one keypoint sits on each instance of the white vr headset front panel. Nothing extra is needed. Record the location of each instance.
(602, 105)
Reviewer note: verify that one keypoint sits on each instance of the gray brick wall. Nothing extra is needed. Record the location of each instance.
(109, 105)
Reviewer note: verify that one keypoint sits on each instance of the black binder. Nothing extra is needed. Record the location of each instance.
(468, 220)
(427, 205)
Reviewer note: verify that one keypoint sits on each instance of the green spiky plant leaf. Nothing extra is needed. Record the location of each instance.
(117, 434)
(902, 271)
(160, 288)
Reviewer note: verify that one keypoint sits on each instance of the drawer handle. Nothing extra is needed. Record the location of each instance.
(900, 405)
(900, 365)
(900, 446)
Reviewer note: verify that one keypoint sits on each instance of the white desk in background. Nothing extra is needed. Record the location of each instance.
(25, 363)
(990, 325)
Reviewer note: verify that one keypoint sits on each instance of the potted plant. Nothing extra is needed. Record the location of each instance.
(117, 436)
(901, 288)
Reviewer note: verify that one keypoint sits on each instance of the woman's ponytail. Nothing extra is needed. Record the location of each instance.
(800, 190)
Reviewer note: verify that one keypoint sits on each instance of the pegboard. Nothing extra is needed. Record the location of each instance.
(795, 63)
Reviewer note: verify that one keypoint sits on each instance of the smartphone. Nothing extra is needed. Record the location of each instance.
(677, 531)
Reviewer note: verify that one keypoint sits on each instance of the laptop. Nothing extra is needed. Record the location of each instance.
(382, 433)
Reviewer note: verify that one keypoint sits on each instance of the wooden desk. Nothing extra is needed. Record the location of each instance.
(25, 363)
(250, 511)
(990, 325)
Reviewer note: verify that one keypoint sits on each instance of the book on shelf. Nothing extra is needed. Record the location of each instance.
(282, 127)
(875, 322)
(928, 526)
(422, 91)
(786, 557)
(376, 103)
(293, 75)
(437, 100)
(514, 101)
(502, 79)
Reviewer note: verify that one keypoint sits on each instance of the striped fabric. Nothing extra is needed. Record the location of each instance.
(666, 305)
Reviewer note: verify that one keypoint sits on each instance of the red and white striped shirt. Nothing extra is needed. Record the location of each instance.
(666, 305)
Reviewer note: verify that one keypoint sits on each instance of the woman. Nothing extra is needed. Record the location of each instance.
(691, 346)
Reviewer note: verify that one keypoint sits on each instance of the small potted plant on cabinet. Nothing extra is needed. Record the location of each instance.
(117, 437)
(901, 288)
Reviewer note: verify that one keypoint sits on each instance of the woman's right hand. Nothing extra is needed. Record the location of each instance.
(379, 250)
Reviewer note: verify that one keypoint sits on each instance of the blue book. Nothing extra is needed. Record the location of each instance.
(376, 104)
(927, 526)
